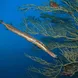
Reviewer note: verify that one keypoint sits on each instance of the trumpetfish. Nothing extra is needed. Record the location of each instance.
(29, 38)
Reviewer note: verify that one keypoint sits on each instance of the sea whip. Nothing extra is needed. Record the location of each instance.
(29, 38)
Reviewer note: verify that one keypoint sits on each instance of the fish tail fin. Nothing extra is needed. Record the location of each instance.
(1, 21)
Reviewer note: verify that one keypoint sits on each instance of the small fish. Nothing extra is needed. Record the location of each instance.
(71, 13)
(77, 9)
(70, 69)
(54, 4)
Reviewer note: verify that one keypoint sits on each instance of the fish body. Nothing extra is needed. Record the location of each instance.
(29, 38)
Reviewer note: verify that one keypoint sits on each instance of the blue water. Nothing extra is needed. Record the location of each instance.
(13, 63)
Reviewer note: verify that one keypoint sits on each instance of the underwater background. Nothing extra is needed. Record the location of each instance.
(13, 62)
